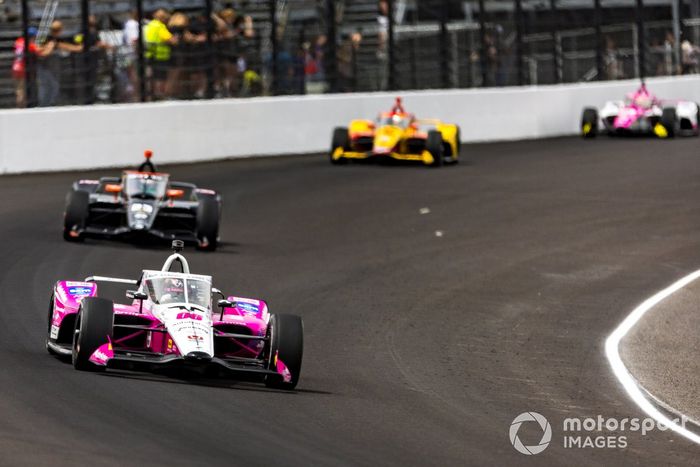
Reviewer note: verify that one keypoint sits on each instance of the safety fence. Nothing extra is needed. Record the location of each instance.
(115, 51)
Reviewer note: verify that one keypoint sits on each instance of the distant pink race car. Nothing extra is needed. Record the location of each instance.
(642, 113)
(171, 323)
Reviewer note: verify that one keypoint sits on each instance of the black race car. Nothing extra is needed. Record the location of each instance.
(143, 203)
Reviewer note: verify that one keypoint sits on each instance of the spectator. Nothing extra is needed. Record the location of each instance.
(227, 50)
(347, 62)
(689, 57)
(19, 66)
(177, 69)
(382, 77)
(49, 64)
(199, 60)
(96, 48)
(613, 69)
(131, 41)
(158, 41)
(314, 69)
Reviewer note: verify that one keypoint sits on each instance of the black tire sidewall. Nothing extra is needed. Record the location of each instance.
(590, 116)
(669, 118)
(94, 324)
(76, 213)
(208, 220)
(341, 139)
(434, 145)
(287, 341)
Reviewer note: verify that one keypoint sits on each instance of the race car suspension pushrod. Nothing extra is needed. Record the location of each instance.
(126, 338)
(241, 336)
(141, 328)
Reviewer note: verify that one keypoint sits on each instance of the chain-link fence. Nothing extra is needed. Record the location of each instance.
(108, 51)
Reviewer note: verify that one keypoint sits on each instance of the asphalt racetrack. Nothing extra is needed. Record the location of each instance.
(438, 304)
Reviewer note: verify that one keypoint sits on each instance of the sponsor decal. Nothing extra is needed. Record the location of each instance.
(80, 291)
(54, 331)
(248, 307)
(193, 316)
(102, 355)
(78, 284)
(195, 338)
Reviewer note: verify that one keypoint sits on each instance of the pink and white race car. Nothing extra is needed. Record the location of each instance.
(642, 113)
(170, 323)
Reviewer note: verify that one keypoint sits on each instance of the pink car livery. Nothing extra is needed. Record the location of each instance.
(171, 323)
(642, 113)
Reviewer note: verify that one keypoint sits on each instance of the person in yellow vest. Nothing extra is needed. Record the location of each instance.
(158, 41)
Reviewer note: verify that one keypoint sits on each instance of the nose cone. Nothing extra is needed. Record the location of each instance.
(198, 356)
(386, 139)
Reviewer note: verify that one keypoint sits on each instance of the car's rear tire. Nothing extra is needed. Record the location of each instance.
(287, 343)
(434, 145)
(341, 139)
(93, 328)
(208, 219)
(589, 123)
(669, 120)
(77, 207)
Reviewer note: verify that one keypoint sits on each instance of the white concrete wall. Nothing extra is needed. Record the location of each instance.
(109, 136)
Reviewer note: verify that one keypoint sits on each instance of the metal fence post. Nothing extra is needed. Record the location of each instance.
(599, 40)
(88, 72)
(444, 46)
(484, 47)
(275, 47)
(677, 12)
(141, 59)
(391, 46)
(29, 75)
(211, 57)
(555, 43)
(519, 49)
(641, 38)
(331, 56)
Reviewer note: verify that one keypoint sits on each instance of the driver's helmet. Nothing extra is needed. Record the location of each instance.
(173, 291)
(397, 119)
(642, 98)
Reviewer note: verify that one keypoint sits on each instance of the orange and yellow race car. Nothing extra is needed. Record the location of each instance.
(397, 135)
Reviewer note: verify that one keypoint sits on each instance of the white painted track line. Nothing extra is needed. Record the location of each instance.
(612, 351)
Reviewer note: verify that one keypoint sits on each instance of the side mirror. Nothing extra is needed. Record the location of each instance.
(226, 303)
(218, 292)
(136, 295)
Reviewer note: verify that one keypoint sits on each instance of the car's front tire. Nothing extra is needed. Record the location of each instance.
(287, 344)
(341, 139)
(93, 328)
(435, 146)
(50, 320)
(77, 207)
